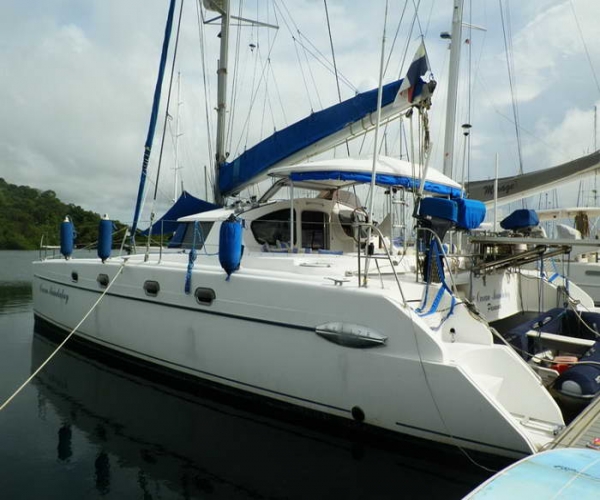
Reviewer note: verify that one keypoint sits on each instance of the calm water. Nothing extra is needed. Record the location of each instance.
(84, 430)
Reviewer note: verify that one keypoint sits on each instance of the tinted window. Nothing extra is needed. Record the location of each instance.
(187, 239)
(273, 228)
(315, 230)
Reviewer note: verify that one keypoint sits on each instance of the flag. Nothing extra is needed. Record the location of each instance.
(412, 84)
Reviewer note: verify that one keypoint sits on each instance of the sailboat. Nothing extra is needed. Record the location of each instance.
(306, 304)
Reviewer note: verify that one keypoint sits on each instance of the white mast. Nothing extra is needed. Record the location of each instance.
(455, 46)
(222, 96)
(177, 135)
(375, 150)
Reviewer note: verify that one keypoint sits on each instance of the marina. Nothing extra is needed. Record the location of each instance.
(340, 311)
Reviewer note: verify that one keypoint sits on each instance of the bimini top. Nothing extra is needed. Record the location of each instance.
(342, 172)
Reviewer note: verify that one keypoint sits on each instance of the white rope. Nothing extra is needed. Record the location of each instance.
(34, 374)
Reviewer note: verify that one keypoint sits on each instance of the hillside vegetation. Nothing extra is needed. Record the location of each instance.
(27, 214)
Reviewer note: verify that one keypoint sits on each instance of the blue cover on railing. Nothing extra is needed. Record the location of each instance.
(441, 208)
(380, 179)
(471, 213)
(300, 135)
(185, 205)
(520, 219)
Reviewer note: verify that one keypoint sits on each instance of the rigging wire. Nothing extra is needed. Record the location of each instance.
(234, 81)
(429, 19)
(312, 77)
(469, 91)
(315, 52)
(337, 79)
(507, 33)
(587, 53)
(245, 127)
(417, 17)
(393, 44)
(162, 142)
(278, 93)
(206, 86)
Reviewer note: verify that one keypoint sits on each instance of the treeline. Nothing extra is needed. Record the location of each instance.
(28, 214)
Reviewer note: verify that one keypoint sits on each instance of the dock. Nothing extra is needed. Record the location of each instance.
(583, 431)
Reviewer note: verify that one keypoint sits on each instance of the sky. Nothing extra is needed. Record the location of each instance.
(78, 80)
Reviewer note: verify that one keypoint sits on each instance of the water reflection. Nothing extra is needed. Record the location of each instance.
(15, 296)
(195, 447)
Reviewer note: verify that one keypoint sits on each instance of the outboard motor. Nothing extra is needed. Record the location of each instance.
(438, 215)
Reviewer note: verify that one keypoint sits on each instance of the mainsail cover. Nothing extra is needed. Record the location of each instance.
(313, 135)
(185, 205)
(520, 186)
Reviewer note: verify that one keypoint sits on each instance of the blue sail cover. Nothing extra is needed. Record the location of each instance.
(185, 205)
(300, 135)
(153, 119)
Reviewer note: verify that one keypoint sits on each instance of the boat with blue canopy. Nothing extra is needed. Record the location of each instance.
(306, 300)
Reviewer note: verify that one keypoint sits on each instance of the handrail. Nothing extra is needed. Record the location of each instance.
(389, 256)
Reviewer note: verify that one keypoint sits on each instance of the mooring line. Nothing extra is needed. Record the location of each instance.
(39, 369)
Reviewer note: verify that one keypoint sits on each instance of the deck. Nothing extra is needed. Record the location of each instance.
(582, 432)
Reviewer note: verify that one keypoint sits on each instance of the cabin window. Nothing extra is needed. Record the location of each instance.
(103, 280)
(74, 276)
(205, 296)
(274, 228)
(315, 230)
(184, 235)
(592, 273)
(151, 288)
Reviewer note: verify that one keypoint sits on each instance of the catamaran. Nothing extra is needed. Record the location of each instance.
(309, 304)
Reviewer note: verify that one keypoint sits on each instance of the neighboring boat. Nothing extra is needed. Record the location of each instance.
(557, 332)
(582, 264)
(312, 308)
(562, 474)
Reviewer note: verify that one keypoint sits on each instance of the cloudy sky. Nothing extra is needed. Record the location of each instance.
(78, 79)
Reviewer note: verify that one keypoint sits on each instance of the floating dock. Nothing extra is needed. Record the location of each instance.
(583, 431)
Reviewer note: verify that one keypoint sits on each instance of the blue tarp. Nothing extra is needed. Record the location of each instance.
(440, 208)
(300, 135)
(380, 179)
(185, 205)
(471, 213)
(520, 219)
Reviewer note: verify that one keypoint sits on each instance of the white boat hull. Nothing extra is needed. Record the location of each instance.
(260, 336)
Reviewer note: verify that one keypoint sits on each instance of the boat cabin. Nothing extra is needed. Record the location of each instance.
(323, 213)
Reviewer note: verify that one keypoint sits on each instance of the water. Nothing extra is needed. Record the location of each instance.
(82, 429)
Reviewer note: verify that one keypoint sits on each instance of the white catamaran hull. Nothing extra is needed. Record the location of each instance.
(259, 335)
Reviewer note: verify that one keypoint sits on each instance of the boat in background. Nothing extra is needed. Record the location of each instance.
(581, 265)
(561, 474)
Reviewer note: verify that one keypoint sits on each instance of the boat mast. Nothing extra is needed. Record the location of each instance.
(455, 46)
(221, 97)
(178, 134)
(153, 119)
